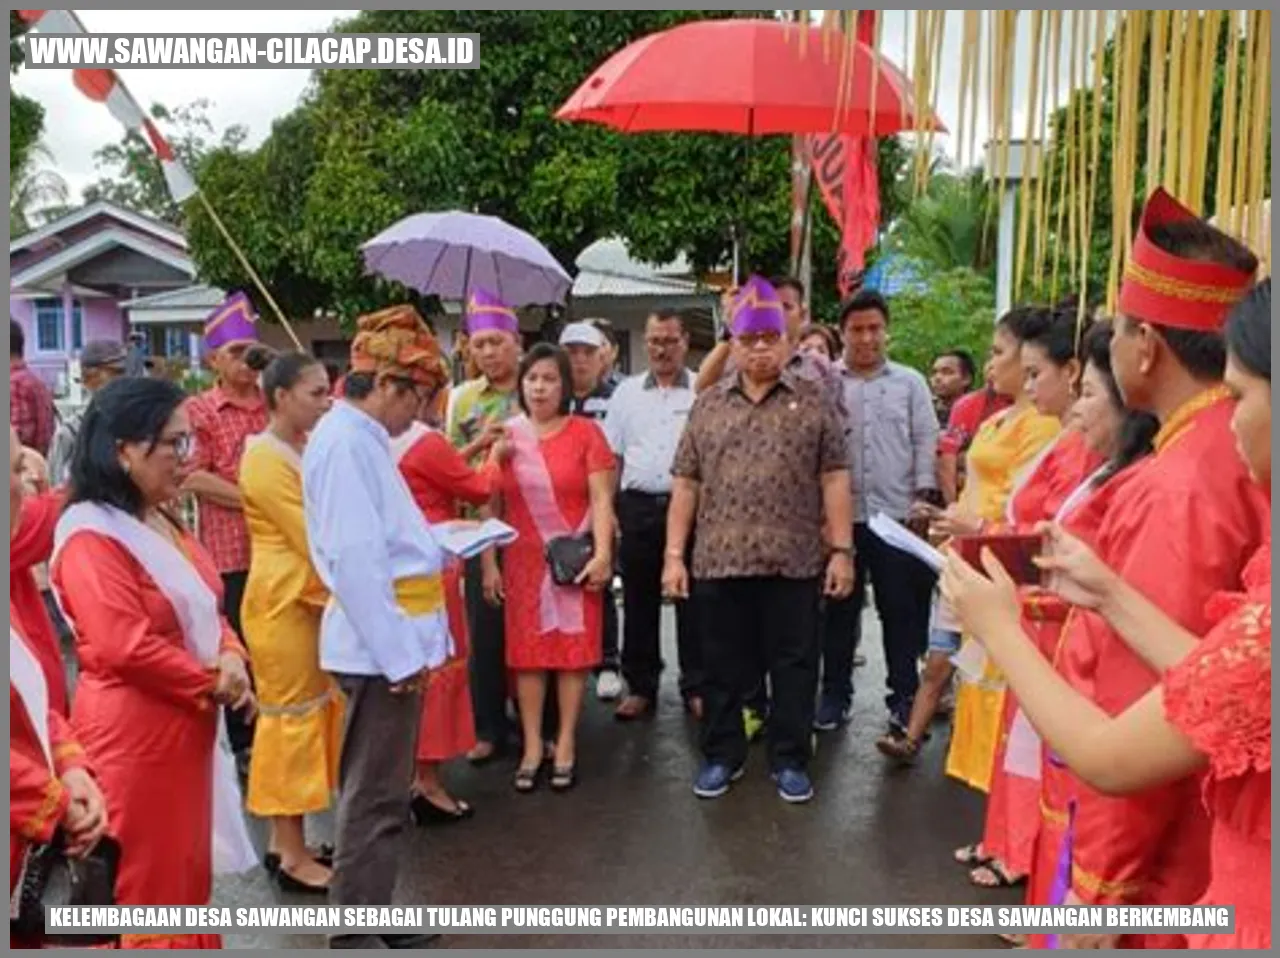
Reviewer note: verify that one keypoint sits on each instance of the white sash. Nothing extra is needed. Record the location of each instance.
(196, 608)
(1079, 493)
(27, 677)
(401, 444)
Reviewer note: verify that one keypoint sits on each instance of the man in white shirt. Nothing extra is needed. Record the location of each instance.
(385, 623)
(646, 416)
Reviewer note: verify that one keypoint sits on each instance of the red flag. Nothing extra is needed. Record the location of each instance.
(847, 174)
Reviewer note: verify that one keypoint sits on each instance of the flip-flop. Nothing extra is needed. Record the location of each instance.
(996, 870)
(1013, 940)
(970, 856)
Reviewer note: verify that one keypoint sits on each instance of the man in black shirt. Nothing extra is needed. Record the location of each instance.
(587, 348)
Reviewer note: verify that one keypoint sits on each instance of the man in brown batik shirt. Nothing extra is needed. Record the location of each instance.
(762, 466)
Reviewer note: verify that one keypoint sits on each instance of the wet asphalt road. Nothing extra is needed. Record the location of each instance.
(632, 833)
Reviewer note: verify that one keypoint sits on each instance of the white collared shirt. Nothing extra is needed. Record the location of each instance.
(365, 532)
(644, 424)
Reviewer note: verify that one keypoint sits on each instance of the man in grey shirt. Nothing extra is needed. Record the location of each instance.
(893, 438)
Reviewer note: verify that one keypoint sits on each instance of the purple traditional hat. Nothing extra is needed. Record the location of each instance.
(231, 322)
(486, 311)
(757, 309)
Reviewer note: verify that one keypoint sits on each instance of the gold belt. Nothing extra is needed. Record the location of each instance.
(420, 595)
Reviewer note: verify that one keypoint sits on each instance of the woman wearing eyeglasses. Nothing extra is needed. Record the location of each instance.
(157, 658)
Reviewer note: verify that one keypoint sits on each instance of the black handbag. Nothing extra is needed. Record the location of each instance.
(567, 556)
(51, 879)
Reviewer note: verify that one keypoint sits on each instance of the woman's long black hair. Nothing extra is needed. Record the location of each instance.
(1138, 429)
(126, 410)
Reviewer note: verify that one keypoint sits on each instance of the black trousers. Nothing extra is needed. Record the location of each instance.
(773, 620)
(610, 661)
(643, 520)
(239, 730)
(903, 589)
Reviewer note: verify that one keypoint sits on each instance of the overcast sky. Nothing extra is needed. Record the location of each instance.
(76, 126)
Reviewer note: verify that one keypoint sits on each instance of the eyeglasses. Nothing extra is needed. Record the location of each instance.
(183, 444)
(752, 340)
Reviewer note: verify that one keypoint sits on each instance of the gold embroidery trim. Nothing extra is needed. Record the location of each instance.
(1181, 288)
(300, 708)
(1179, 422)
(1097, 885)
(38, 822)
(1052, 815)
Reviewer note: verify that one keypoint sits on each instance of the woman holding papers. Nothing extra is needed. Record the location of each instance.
(156, 657)
(294, 769)
(557, 485)
(440, 479)
(1211, 711)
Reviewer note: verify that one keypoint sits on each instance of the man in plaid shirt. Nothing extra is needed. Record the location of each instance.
(31, 411)
(222, 418)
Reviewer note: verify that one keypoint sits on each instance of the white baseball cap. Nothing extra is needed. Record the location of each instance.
(582, 334)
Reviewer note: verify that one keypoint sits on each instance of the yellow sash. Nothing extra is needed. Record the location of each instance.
(420, 595)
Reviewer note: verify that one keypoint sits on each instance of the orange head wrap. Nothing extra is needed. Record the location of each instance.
(395, 341)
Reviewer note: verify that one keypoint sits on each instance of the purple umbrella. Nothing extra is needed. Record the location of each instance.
(449, 254)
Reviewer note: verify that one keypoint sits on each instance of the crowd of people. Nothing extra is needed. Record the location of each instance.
(1114, 708)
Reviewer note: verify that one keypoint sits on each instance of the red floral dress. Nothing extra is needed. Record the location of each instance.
(1220, 698)
(574, 453)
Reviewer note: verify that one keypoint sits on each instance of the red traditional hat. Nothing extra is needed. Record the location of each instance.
(1163, 288)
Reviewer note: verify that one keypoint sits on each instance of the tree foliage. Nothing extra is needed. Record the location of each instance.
(366, 147)
(129, 174)
(955, 312)
(26, 116)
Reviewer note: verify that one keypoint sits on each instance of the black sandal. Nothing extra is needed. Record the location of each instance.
(426, 812)
(323, 856)
(563, 778)
(970, 856)
(526, 779)
(996, 870)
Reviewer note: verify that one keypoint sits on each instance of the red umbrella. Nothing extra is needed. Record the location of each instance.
(744, 76)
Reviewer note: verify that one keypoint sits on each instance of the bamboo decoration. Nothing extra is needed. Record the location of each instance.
(1160, 110)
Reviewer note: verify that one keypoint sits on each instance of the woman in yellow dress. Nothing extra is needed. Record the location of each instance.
(294, 769)
(1006, 446)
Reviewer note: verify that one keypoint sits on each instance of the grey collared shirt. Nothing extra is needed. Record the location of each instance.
(893, 439)
(644, 424)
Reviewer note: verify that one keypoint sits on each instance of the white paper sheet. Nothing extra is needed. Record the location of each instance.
(971, 660)
(1022, 750)
(900, 537)
(465, 540)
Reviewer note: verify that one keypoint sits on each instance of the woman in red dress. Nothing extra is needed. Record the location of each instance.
(156, 657)
(558, 481)
(50, 787)
(1211, 712)
(440, 478)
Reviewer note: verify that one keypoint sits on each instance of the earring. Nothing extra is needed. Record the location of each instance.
(125, 467)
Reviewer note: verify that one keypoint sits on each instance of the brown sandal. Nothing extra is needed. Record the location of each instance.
(633, 707)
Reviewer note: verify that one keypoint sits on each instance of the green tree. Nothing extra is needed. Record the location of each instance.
(955, 311)
(35, 191)
(26, 116)
(130, 175)
(951, 225)
(367, 147)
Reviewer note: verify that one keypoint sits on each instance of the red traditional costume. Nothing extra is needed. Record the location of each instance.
(440, 479)
(550, 627)
(1013, 803)
(1179, 531)
(32, 543)
(143, 710)
(1220, 698)
(37, 799)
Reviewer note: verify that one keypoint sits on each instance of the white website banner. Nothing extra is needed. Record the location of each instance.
(248, 51)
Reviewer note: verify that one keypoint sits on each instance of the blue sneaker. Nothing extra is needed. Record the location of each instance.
(794, 785)
(714, 779)
(831, 714)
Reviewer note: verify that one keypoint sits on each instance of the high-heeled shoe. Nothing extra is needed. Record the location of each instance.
(426, 812)
(297, 886)
(323, 856)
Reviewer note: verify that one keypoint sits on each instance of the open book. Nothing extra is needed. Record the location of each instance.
(465, 540)
(894, 533)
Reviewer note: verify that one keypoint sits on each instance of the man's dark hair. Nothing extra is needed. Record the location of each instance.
(965, 359)
(605, 328)
(863, 300)
(1138, 429)
(124, 410)
(1203, 355)
(537, 354)
(669, 314)
(17, 341)
(788, 282)
(1248, 331)
(358, 386)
